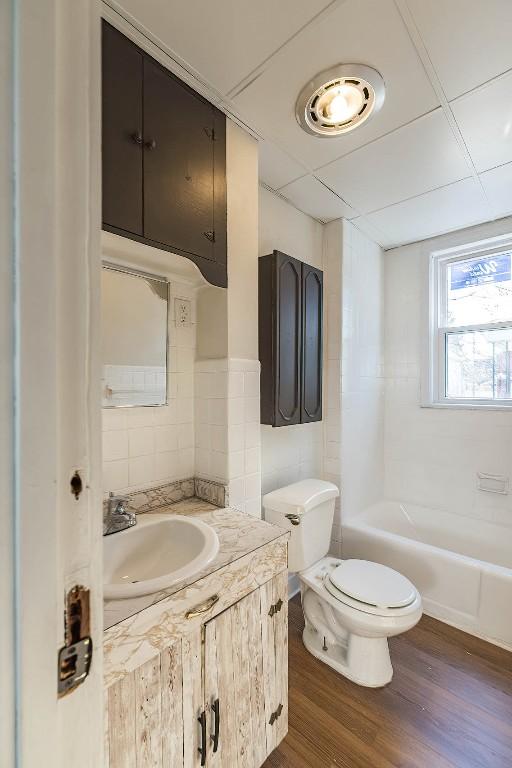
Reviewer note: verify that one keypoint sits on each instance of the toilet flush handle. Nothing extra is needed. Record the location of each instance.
(294, 519)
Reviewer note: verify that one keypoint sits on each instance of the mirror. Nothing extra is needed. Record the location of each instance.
(134, 338)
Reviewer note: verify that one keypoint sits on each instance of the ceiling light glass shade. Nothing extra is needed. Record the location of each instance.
(339, 99)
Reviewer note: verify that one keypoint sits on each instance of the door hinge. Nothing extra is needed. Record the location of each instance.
(275, 608)
(74, 659)
(210, 235)
(275, 715)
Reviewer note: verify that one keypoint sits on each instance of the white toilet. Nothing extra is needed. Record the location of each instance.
(350, 607)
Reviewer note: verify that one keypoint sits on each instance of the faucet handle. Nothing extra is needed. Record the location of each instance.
(117, 504)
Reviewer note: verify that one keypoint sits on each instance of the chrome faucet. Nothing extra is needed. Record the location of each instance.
(118, 516)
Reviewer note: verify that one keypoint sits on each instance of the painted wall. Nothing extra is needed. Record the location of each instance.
(432, 455)
(289, 453)
(354, 375)
(242, 201)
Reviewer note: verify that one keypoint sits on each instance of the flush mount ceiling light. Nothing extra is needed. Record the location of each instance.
(339, 99)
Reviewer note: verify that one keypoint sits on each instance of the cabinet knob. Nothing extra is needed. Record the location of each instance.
(136, 136)
(150, 144)
(210, 235)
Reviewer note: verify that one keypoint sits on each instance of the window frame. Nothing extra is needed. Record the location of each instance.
(438, 329)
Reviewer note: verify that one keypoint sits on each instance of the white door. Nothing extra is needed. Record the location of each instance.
(50, 193)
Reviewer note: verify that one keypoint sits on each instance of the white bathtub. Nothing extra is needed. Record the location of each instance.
(461, 566)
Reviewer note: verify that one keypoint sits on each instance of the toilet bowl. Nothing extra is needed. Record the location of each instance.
(351, 607)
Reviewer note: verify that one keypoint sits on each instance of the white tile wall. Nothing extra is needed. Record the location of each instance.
(432, 456)
(142, 446)
(227, 429)
(353, 439)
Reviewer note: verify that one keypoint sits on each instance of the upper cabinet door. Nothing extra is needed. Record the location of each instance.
(178, 164)
(311, 405)
(288, 340)
(122, 130)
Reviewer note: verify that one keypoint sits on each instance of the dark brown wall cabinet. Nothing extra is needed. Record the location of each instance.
(290, 340)
(164, 159)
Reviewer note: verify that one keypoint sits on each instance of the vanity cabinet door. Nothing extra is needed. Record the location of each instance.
(122, 132)
(152, 713)
(246, 677)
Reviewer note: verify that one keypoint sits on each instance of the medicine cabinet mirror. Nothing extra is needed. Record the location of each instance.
(134, 309)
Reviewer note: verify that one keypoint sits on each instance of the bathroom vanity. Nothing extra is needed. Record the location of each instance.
(198, 674)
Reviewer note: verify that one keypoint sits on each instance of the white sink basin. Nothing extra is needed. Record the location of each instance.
(156, 553)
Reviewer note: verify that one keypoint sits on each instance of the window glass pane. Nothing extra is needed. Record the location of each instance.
(479, 290)
(479, 364)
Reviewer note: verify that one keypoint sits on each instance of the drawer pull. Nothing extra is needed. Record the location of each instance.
(202, 607)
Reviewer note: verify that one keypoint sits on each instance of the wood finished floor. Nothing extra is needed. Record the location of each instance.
(449, 705)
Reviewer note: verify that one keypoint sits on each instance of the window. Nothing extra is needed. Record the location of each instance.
(471, 321)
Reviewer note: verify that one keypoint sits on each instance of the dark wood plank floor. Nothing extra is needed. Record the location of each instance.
(449, 705)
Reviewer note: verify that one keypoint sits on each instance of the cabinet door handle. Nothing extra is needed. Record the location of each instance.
(137, 138)
(150, 144)
(202, 607)
(210, 235)
(202, 748)
(216, 724)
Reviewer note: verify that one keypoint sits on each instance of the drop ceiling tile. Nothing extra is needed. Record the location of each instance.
(370, 31)
(434, 213)
(225, 40)
(277, 168)
(369, 230)
(498, 188)
(413, 159)
(484, 117)
(311, 196)
(468, 41)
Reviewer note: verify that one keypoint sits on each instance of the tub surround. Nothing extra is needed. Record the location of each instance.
(239, 535)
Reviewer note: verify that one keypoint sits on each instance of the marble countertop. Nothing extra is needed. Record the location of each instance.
(238, 534)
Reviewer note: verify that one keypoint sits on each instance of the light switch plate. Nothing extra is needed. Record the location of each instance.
(182, 312)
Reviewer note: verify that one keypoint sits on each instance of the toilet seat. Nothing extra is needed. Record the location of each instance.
(370, 587)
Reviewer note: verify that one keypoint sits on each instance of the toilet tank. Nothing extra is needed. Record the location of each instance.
(306, 509)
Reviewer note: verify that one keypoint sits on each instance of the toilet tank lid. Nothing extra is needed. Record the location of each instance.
(301, 497)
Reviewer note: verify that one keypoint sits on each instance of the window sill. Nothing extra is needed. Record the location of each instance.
(468, 406)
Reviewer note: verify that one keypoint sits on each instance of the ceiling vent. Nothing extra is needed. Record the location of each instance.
(339, 99)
